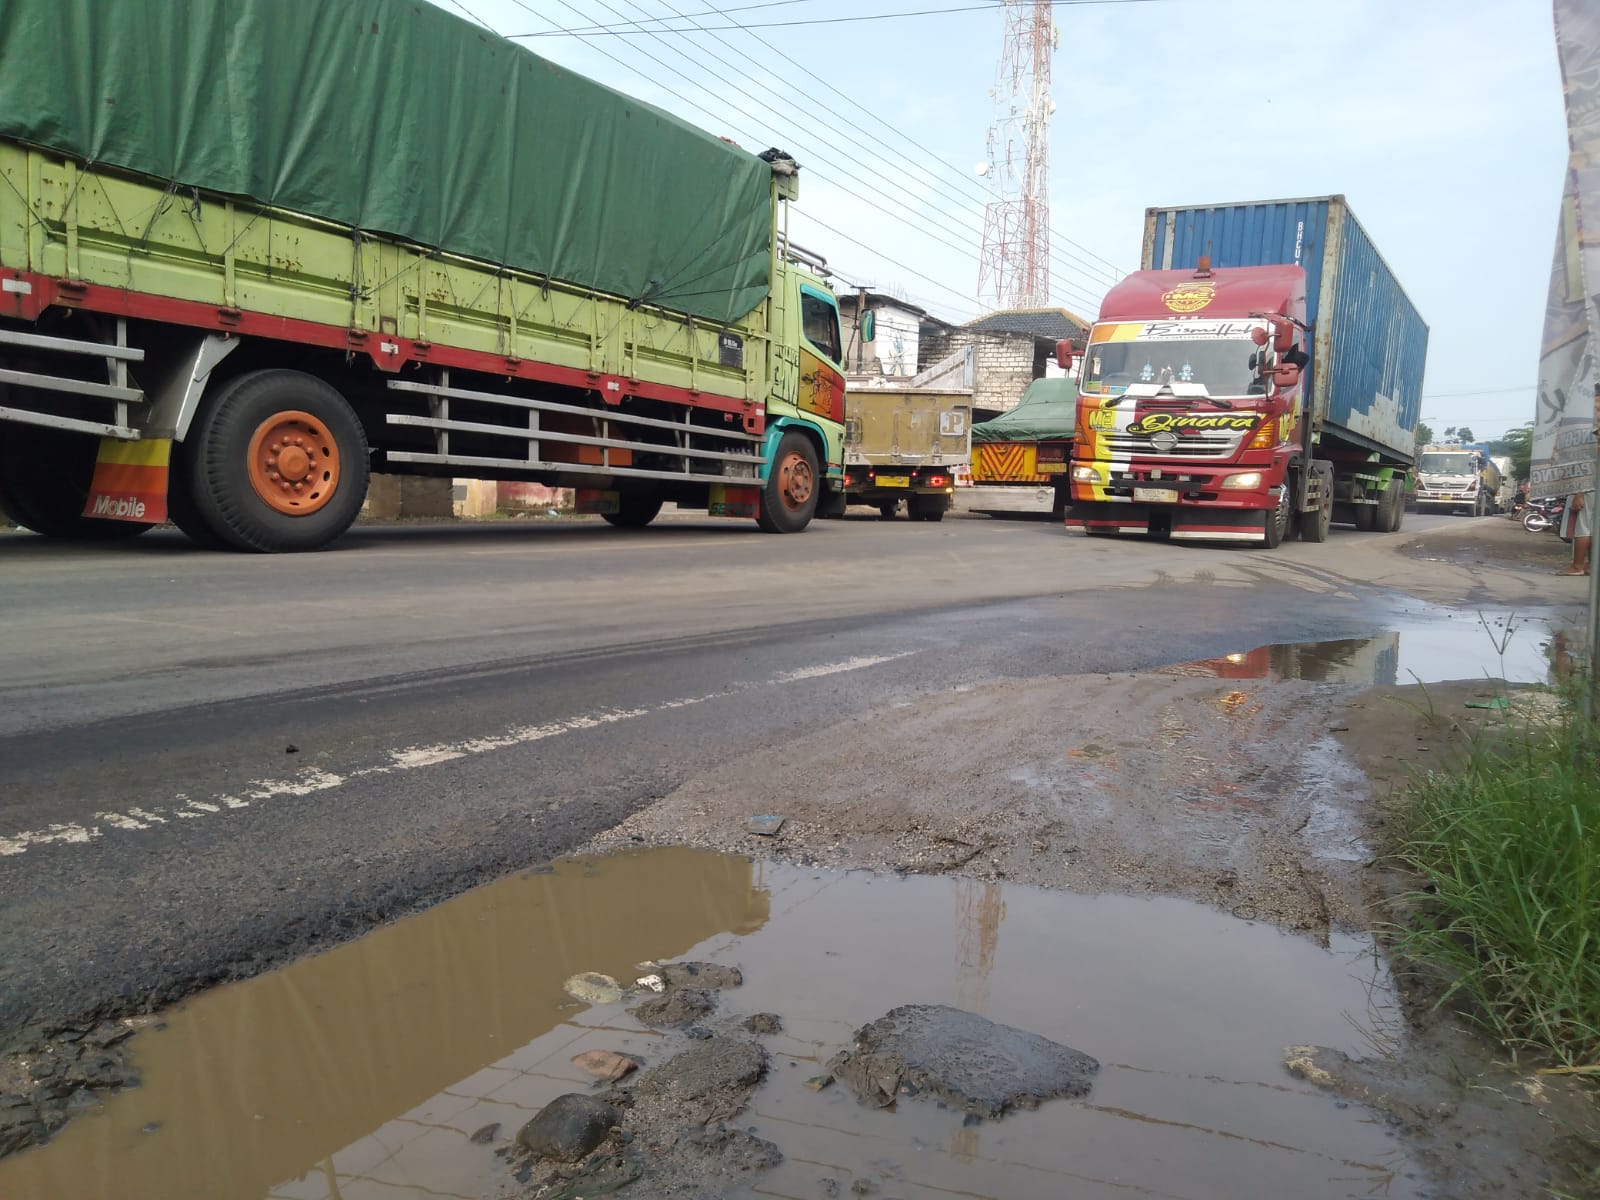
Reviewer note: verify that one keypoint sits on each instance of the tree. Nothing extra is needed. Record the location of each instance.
(1464, 434)
(1518, 442)
(1424, 435)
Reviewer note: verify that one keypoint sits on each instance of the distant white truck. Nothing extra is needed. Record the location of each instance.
(1461, 479)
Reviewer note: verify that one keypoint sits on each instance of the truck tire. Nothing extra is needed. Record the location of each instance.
(925, 508)
(1366, 516)
(887, 511)
(1314, 525)
(635, 510)
(44, 481)
(1394, 510)
(181, 508)
(279, 463)
(1278, 519)
(793, 486)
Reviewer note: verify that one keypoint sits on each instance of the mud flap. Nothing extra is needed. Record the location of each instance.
(130, 481)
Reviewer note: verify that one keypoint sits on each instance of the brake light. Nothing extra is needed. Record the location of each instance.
(938, 481)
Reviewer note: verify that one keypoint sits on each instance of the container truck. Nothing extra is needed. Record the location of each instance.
(283, 245)
(1459, 479)
(1261, 373)
(1019, 459)
(909, 444)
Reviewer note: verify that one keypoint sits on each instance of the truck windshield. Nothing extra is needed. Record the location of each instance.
(1438, 463)
(1220, 365)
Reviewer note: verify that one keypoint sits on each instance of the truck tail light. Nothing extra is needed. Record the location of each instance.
(938, 481)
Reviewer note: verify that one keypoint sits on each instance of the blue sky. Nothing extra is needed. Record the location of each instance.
(1439, 120)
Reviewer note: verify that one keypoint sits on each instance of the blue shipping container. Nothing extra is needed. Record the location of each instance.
(1369, 345)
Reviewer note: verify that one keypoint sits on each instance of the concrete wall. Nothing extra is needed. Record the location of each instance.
(894, 350)
(1004, 364)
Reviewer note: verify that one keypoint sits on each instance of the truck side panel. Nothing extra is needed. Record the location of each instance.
(1378, 348)
(131, 235)
(1370, 343)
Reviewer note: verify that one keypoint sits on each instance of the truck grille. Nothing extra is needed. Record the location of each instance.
(1204, 443)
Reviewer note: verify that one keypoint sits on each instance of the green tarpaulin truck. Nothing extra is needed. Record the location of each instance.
(250, 251)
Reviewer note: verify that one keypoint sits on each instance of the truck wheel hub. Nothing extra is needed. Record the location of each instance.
(293, 463)
(794, 480)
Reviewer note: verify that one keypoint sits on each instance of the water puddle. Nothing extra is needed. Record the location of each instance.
(1428, 649)
(362, 1073)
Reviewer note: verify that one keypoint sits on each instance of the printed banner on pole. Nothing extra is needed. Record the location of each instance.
(1564, 418)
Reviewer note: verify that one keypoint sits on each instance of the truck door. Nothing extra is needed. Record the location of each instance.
(821, 356)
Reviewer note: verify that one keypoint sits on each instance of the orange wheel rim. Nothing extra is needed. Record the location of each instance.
(294, 463)
(795, 481)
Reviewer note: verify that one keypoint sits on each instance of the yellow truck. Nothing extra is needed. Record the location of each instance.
(910, 444)
(1020, 458)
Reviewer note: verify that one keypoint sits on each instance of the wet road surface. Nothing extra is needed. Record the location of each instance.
(213, 762)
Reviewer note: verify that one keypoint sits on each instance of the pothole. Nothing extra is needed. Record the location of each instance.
(403, 1064)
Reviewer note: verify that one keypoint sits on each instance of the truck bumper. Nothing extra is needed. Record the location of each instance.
(1191, 523)
(1013, 498)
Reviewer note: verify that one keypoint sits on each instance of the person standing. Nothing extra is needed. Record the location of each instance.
(1577, 523)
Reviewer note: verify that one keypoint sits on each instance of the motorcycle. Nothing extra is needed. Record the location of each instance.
(1544, 514)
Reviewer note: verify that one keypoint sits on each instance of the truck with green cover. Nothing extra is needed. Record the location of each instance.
(1019, 458)
(252, 251)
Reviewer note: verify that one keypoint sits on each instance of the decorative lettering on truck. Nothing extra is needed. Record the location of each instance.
(1189, 297)
(130, 481)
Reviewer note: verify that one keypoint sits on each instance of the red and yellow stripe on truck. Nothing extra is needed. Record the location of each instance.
(1018, 462)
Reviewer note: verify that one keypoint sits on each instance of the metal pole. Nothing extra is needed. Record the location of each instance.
(1589, 694)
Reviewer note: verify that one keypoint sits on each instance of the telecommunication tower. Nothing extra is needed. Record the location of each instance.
(1014, 265)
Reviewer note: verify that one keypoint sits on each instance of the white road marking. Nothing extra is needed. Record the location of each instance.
(409, 758)
(849, 664)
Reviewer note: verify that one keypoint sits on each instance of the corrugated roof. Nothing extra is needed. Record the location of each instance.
(1050, 323)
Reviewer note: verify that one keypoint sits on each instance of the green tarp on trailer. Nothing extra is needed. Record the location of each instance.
(1048, 409)
(394, 117)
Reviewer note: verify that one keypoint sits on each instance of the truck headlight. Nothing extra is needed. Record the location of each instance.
(1244, 481)
(1081, 474)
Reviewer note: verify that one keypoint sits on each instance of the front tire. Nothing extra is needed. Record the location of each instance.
(280, 463)
(1394, 511)
(793, 487)
(1277, 526)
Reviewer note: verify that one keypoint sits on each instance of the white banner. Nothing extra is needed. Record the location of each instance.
(1565, 414)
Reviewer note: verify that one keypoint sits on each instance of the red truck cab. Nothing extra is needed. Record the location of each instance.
(1190, 409)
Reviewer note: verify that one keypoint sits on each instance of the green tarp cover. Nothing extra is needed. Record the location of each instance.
(1048, 409)
(396, 117)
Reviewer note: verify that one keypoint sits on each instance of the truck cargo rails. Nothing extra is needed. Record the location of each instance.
(229, 317)
(1261, 375)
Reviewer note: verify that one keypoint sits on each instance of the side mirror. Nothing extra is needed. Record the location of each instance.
(1286, 375)
(1282, 336)
(1064, 354)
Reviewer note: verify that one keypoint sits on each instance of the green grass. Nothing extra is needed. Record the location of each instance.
(1508, 842)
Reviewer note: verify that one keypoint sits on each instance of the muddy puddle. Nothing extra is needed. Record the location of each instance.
(365, 1072)
(1427, 648)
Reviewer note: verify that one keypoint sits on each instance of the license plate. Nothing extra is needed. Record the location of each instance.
(1155, 495)
(1052, 468)
(894, 481)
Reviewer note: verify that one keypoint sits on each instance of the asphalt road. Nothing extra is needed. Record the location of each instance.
(211, 762)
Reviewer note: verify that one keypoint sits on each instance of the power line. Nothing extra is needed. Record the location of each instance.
(620, 31)
(959, 248)
(1064, 258)
(1527, 387)
(1074, 295)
